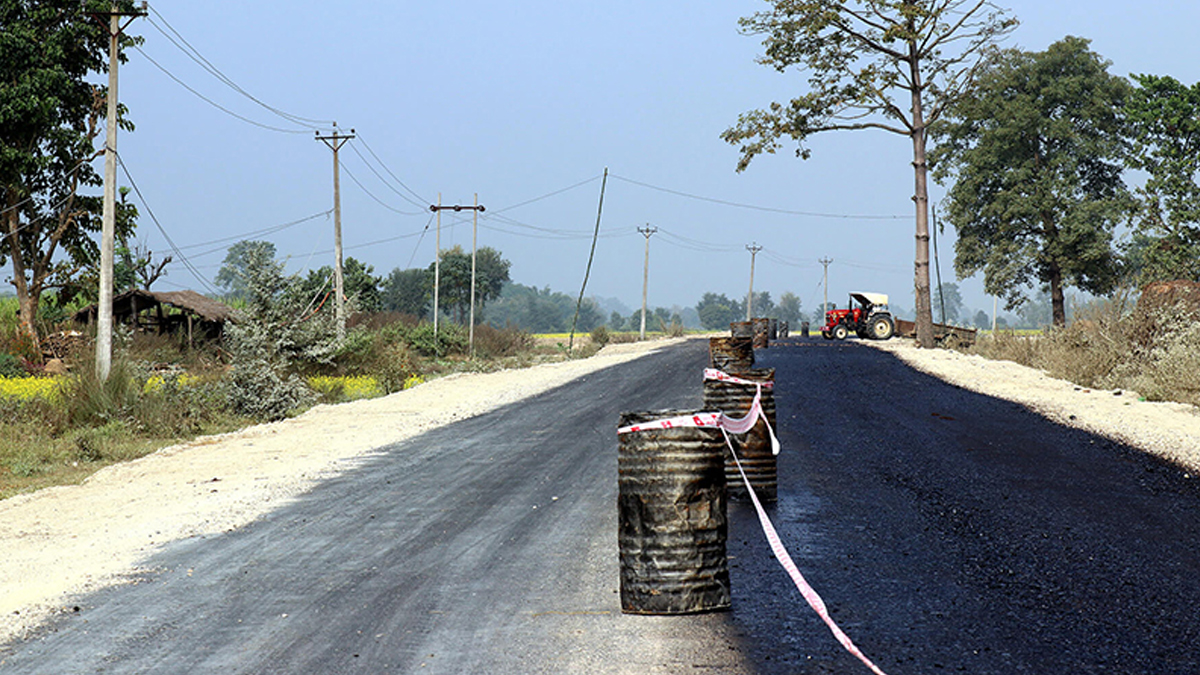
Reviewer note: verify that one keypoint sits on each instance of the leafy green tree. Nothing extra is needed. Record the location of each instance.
(982, 320)
(407, 291)
(948, 302)
(1036, 160)
(454, 294)
(894, 65)
(763, 305)
(541, 310)
(789, 308)
(234, 274)
(717, 311)
(616, 321)
(358, 281)
(1163, 118)
(50, 117)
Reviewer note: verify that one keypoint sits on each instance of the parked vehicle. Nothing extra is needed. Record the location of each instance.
(869, 319)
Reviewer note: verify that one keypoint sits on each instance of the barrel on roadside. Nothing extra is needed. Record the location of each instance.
(672, 524)
(731, 354)
(761, 331)
(754, 447)
(773, 329)
(742, 329)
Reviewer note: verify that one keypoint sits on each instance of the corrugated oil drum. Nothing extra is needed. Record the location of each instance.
(742, 329)
(672, 523)
(753, 448)
(773, 329)
(731, 354)
(760, 330)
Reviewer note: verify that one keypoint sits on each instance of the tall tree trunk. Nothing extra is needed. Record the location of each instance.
(921, 201)
(1058, 304)
(27, 294)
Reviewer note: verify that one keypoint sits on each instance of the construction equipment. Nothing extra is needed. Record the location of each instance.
(869, 319)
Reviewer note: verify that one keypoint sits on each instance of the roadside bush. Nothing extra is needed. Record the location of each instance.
(451, 339)
(258, 389)
(11, 366)
(500, 342)
(600, 335)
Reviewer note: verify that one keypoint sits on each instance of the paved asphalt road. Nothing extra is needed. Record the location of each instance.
(947, 531)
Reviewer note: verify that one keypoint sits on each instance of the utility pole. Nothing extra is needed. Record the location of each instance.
(825, 283)
(438, 208)
(646, 231)
(108, 233)
(335, 142)
(754, 249)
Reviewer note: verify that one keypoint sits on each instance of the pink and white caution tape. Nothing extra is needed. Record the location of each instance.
(740, 426)
(789, 566)
(704, 419)
(721, 376)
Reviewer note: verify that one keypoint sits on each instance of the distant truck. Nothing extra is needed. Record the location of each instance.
(870, 319)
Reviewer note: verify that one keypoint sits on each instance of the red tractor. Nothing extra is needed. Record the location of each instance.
(870, 319)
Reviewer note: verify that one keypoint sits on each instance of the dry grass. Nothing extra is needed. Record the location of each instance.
(1115, 344)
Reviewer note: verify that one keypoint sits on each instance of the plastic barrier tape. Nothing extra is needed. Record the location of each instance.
(721, 376)
(740, 426)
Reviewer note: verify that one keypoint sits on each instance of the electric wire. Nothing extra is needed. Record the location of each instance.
(194, 54)
(186, 263)
(413, 257)
(760, 208)
(254, 233)
(213, 103)
(421, 201)
(372, 195)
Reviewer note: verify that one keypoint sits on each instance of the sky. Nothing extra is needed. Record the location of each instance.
(526, 105)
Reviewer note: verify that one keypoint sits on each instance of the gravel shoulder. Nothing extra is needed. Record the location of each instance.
(65, 541)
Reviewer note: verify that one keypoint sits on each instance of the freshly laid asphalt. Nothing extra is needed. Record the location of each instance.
(947, 531)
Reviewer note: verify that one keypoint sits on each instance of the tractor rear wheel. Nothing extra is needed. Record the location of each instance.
(882, 327)
(840, 332)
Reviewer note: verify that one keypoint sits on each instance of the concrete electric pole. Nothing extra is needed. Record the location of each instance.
(825, 283)
(754, 249)
(335, 142)
(438, 208)
(647, 231)
(108, 233)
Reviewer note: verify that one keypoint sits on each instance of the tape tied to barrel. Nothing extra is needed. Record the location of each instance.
(729, 425)
(722, 376)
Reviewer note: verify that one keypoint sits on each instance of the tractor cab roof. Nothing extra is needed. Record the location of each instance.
(870, 298)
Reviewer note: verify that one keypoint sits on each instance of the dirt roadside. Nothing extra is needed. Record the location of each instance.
(64, 541)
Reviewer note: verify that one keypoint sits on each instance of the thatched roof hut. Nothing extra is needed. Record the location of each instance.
(144, 310)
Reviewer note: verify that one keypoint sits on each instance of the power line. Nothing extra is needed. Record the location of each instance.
(421, 201)
(759, 208)
(549, 194)
(253, 233)
(213, 103)
(195, 55)
(187, 263)
(372, 195)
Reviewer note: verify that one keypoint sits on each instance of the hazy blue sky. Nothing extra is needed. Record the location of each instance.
(515, 101)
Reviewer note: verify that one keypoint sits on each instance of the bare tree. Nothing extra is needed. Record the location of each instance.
(872, 64)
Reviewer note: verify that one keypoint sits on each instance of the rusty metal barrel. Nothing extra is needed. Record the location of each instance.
(731, 354)
(784, 328)
(753, 448)
(742, 329)
(672, 524)
(773, 329)
(761, 331)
